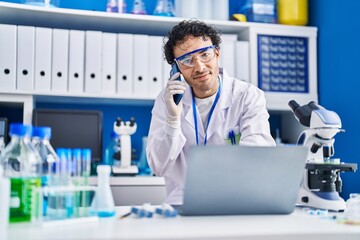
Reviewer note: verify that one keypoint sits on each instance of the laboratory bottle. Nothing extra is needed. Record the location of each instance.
(292, 12)
(41, 140)
(143, 165)
(104, 201)
(22, 164)
(164, 8)
(112, 151)
(117, 6)
(139, 7)
(4, 203)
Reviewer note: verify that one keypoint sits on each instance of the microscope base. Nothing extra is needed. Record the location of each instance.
(308, 198)
(127, 171)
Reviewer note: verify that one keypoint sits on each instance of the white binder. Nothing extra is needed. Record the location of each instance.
(93, 61)
(76, 61)
(166, 68)
(108, 72)
(220, 10)
(206, 9)
(125, 58)
(187, 8)
(43, 53)
(25, 58)
(155, 63)
(8, 40)
(140, 65)
(242, 56)
(227, 55)
(60, 58)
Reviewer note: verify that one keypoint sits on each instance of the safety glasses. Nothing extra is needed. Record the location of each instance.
(204, 54)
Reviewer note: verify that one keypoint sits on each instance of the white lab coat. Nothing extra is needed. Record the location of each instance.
(241, 107)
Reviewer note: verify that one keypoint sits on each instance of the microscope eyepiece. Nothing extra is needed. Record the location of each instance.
(302, 113)
(313, 105)
(118, 121)
(132, 121)
(293, 105)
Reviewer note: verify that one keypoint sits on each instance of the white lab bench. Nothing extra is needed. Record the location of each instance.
(296, 226)
(136, 190)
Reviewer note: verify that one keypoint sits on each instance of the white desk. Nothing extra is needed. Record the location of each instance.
(136, 190)
(297, 226)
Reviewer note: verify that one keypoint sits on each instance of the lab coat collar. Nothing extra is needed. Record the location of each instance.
(225, 99)
(218, 117)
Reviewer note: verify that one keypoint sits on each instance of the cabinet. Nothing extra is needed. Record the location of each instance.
(278, 88)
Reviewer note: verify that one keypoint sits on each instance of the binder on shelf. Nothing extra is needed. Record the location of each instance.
(108, 74)
(166, 68)
(125, 58)
(76, 61)
(43, 59)
(242, 60)
(187, 8)
(93, 44)
(140, 65)
(25, 58)
(155, 63)
(8, 40)
(220, 10)
(227, 56)
(60, 58)
(206, 9)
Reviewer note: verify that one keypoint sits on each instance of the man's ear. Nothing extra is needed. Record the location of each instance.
(217, 53)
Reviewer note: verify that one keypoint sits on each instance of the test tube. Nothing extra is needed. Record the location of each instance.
(53, 199)
(76, 158)
(85, 173)
(61, 182)
(69, 200)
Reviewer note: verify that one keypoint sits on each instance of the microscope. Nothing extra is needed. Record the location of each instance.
(124, 129)
(321, 183)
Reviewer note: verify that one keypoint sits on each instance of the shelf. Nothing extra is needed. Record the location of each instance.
(20, 14)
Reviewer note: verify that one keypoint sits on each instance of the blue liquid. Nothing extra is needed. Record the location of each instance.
(106, 214)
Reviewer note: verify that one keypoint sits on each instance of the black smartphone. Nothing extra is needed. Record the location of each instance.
(175, 69)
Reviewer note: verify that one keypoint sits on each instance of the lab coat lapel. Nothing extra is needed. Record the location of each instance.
(189, 116)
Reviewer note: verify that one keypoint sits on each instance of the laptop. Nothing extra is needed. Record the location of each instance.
(236, 180)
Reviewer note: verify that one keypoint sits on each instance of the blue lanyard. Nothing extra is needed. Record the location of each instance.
(210, 113)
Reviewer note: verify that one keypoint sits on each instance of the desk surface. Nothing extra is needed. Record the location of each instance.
(132, 181)
(296, 226)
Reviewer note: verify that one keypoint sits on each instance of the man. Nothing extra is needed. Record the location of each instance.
(213, 106)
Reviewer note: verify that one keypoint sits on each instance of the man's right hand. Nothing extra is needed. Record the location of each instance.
(172, 88)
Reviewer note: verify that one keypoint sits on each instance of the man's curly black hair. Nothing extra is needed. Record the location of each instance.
(193, 27)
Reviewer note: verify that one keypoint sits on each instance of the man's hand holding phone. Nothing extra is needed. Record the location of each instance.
(174, 87)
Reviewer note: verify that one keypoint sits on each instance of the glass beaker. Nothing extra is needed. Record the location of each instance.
(164, 8)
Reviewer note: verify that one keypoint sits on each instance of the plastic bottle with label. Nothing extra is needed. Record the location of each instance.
(22, 164)
(41, 140)
(4, 203)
